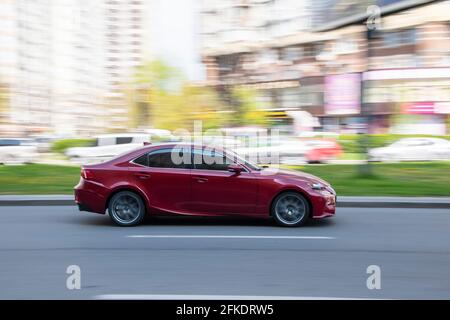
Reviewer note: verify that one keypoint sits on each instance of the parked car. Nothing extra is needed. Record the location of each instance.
(294, 151)
(282, 151)
(413, 149)
(159, 134)
(322, 150)
(107, 146)
(17, 151)
(194, 180)
(43, 143)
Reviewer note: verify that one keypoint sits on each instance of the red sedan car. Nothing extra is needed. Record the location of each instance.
(195, 180)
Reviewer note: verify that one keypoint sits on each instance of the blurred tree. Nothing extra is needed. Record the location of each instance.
(148, 95)
(160, 96)
(246, 109)
(204, 104)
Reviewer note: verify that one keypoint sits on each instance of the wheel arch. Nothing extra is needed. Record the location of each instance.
(292, 189)
(131, 189)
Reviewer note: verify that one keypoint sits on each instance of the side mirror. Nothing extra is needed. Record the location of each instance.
(235, 168)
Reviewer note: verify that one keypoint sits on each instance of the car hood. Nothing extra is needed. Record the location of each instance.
(294, 175)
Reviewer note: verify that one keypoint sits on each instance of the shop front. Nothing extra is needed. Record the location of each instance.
(417, 101)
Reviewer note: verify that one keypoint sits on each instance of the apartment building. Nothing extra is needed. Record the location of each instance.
(64, 64)
(128, 45)
(323, 69)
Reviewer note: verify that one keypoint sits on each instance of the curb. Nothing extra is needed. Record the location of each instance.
(342, 202)
(394, 202)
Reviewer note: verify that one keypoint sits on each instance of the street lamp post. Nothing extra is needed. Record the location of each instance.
(365, 169)
(371, 32)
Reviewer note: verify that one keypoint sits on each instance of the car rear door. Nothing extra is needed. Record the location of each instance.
(166, 183)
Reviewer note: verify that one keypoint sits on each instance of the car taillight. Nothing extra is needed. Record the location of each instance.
(87, 174)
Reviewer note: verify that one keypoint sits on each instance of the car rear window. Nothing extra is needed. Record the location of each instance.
(165, 158)
(142, 160)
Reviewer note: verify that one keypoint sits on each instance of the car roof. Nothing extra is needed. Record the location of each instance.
(180, 144)
(149, 147)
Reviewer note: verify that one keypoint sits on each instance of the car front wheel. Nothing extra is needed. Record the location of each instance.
(290, 209)
(126, 209)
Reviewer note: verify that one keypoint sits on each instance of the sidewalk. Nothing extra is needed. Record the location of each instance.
(342, 201)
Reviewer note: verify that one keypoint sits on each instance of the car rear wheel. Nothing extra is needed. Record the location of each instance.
(290, 209)
(126, 209)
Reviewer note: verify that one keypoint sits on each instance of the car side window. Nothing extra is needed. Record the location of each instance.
(207, 159)
(166, 158)
(9, 142)
(142, 160)
(123, 140)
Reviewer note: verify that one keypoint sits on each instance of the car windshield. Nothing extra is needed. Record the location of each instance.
(242, 160)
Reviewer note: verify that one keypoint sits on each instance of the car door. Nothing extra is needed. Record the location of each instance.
(215, 190)
(166, 182)
(417, 149)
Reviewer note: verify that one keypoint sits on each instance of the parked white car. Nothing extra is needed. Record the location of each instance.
(107, 146)
(285, 151)
(17, 151)
(413, 149)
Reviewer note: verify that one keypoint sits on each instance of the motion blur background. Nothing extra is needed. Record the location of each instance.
(356, 92)
(341, 75)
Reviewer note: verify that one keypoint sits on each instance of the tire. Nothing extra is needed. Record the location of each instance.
(290, 209)
(126, 209)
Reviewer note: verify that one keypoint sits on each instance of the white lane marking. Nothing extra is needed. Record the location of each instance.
(229, 237)
(212, 297)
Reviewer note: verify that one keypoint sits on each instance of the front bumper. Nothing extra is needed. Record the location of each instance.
(324, 203)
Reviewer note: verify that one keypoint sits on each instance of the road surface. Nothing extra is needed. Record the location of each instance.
(207, 258)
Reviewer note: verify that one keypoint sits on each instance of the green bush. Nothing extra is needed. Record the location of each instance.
(61, 146)
(350, 142)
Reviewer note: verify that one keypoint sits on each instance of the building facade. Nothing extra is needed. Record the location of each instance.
(395, 79)
(64, 64)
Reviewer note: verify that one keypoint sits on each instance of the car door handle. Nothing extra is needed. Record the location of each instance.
(142, 175)
(201, 179)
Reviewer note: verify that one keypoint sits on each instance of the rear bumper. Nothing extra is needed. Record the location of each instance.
(89, 197)
(83, 207)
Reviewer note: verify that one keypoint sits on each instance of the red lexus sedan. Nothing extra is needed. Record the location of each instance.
(195, 180)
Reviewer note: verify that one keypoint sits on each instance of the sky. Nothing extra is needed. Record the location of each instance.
(174, 35)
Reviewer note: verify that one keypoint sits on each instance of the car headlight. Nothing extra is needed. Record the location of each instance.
(317, 186)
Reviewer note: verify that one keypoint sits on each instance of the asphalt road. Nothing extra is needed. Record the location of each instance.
(205, 258)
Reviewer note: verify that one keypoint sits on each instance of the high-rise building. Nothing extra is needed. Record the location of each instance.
(228, 23)
(24, 67)
(65, 63)
(126, 47)
(346, 76)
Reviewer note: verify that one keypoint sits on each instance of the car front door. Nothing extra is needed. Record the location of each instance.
(217, 191)
(166, 183)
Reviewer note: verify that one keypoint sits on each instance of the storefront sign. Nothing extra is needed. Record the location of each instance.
(427, 108)
(442, 107)
(419, 108)
(418, 73)
(342, 94)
